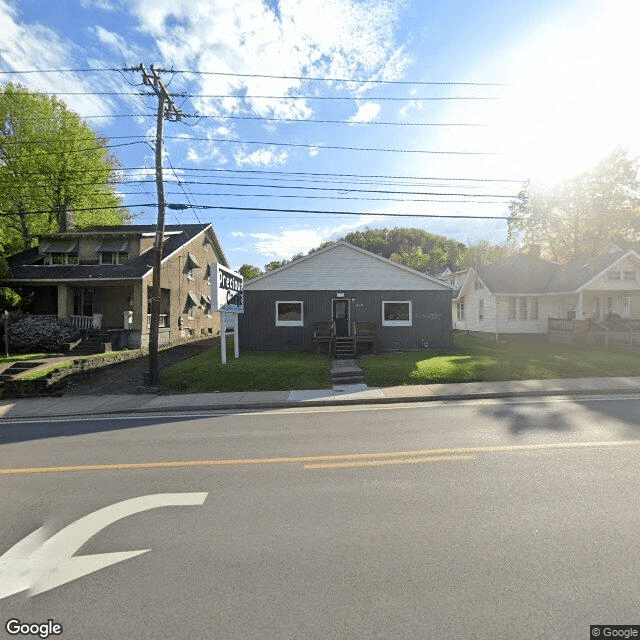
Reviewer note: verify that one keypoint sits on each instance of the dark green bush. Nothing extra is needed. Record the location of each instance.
(40, 334)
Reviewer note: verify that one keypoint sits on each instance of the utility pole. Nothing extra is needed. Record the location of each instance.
(166, 109)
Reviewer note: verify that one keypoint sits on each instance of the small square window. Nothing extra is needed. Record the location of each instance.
(613, 275)
(629, 275)
(289, 314)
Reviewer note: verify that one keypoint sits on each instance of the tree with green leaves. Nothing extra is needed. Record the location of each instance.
(580, 215)
(50, 163)
(414, 248)
(249, 272)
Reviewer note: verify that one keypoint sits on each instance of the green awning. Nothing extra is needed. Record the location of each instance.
(113, 244)
(59, 246)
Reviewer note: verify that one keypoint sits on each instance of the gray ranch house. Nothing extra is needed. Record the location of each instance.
(344, 299)
(100, 279)
(591, 300)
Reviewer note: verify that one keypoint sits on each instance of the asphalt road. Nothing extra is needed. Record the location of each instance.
(485, 519)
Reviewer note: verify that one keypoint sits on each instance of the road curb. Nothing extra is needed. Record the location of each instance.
(336, 402)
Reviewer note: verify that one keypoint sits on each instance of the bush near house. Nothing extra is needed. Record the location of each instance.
(28, 334)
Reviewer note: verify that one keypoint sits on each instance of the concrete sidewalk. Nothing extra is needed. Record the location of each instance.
(340, 395)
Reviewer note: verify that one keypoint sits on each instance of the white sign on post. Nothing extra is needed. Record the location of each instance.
(227, 298)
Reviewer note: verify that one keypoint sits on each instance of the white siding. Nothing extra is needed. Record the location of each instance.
(603, 283)
(343, 267)
(506, 325)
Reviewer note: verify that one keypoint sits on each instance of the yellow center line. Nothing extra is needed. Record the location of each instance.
(382, 463)
(332, 458)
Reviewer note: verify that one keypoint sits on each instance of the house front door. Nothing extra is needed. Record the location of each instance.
(83, 302)
(341, 317)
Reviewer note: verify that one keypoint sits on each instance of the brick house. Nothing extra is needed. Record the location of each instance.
(101, 278)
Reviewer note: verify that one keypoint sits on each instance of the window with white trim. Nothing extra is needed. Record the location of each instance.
(480, 309)
(629, 275)
(613, 275)
(626, 306)
(396, 313)
(289, 313)
(460, 309)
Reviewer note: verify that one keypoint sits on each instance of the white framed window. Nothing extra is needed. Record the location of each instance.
(626, 306)
(522, 309)
(289, 313)
(396, 313)
(613, 275)
(629, 275)
(460, 309)
(533, 308)
(512, 308)
(480, 309)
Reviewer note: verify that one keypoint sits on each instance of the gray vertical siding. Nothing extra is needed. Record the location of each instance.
(431, 311)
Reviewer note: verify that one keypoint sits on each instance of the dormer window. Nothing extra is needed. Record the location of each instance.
(113, 251)
(60, 252)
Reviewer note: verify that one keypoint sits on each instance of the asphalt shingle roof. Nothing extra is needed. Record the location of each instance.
(21, 269)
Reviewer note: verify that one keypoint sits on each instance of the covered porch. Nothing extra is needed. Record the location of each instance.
(99, 306)
(604, 318)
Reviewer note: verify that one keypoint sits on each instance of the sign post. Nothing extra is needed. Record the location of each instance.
(227, 298)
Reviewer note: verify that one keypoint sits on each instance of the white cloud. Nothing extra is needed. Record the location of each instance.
(290, 241)
(260, 157)
(367, 112)
(117, 43)
(337, 38)
(22, 48)
(418, 105)
(105, 5)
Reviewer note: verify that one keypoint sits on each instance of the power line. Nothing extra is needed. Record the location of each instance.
(343, 148)
(328, 79)
(299, 174)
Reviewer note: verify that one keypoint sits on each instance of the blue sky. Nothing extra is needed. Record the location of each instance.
(551, 88)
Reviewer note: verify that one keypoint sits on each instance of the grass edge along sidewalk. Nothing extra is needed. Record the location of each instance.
(253, 371)
(481, 360)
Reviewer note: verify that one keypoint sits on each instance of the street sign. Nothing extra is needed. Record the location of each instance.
(38, 564)
(226, 291)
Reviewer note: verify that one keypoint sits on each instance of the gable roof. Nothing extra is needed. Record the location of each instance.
(344, 266)
(177, 236)
(525, 275)
(517, 274)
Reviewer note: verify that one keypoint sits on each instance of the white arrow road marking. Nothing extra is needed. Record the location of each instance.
(42, 565)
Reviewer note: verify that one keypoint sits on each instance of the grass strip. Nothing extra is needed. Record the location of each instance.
(253, 371)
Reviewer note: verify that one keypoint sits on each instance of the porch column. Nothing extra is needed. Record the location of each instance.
(580, 306)
(64, 297)
(139, 320)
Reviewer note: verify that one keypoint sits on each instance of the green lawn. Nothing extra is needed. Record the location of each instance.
(26, 356)
(476, 360)
(253, 371)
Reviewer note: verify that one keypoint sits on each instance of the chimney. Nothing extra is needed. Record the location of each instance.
(67, 220)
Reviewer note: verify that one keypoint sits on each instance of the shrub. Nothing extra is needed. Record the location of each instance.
(40, 334)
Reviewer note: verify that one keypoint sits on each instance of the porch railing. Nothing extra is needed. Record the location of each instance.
(560, 324)
(163, 320)
(86, 322)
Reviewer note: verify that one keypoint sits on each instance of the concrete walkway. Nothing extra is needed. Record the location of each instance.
(153, 403)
